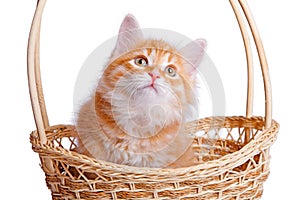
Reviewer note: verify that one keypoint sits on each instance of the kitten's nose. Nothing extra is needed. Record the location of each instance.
(154, 75)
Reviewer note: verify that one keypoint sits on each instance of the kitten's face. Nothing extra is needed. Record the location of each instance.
(148, 84)
(148, 87)
(153, 69)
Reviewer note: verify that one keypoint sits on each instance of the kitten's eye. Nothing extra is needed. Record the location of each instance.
(141, 61)
(170, 71)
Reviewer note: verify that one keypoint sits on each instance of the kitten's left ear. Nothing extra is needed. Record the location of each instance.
(129, 35)
(193, 53)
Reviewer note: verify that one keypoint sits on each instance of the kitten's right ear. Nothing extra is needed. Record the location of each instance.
(129, 35)
(193, 52)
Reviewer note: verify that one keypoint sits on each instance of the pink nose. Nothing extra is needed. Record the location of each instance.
(154, 75)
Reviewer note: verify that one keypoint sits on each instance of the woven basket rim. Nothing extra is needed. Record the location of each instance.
(227, 161)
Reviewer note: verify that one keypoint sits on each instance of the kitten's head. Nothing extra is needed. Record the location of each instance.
(148, 82)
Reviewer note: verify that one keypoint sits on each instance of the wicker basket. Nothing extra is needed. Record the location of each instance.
(235, 168)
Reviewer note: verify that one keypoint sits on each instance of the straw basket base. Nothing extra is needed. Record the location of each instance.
(230, 167)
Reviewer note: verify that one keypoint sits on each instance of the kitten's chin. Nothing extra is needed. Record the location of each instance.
(148, 93)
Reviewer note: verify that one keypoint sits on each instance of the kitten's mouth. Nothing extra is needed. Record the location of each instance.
(151, 86)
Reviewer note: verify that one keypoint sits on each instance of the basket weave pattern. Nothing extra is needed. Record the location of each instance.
(232, 170)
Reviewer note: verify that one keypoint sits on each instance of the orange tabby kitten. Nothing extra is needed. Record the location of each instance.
(143, 99)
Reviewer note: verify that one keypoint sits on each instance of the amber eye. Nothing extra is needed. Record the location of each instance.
(141, 61)
(170, 70)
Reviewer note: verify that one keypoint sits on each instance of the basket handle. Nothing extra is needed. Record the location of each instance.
(35, 83)
(262, 59)
(34, 75)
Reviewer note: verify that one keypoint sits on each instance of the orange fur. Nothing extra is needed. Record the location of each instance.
(128, 121)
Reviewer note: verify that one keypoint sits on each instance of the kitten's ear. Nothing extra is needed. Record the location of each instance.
(129, 35)
(193, 53)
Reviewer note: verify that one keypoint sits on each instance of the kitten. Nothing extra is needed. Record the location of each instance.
(143, 99)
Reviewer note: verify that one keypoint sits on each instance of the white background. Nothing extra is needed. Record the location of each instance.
(73, 28)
